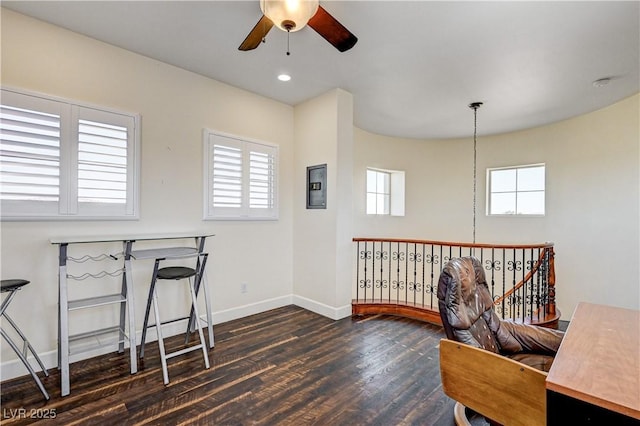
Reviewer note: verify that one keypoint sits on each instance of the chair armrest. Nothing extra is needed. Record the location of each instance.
(503, 390)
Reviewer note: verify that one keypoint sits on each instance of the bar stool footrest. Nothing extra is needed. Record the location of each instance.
(168, 321)
(183, 351)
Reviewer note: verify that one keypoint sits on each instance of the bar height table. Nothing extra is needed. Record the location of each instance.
(124, 298)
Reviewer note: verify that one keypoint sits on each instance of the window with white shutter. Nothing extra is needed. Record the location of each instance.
(241, 178)
(59, 159)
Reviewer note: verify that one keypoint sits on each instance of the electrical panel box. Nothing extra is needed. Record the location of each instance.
(317, 187)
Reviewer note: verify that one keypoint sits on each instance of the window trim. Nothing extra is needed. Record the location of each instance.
(67, 208)
(523, 166)
(244, 212)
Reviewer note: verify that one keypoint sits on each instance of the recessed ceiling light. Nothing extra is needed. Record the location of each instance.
(284, 77)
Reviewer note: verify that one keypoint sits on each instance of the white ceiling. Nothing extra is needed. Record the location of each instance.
(417, 64)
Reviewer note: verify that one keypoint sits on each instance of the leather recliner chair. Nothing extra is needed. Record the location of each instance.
(479, 342)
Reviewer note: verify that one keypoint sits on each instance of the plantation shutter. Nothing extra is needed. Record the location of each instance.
(241, 178)
(104, 172)
(262, 179)
(227, 177)
(102, 163)
(30, 135)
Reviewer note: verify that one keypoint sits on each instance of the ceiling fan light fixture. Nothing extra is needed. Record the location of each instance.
(289, 15)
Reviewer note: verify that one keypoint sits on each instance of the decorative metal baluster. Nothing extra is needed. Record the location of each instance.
(526, 286)
(532, 263)
(494, 265)
(416, 284)
(398, 283)
(373, 272)
(365, 270)
(390, 248)
(545, 281)
(406, 272)
(358, 270)
(513, 287)
(504, 279)
(424, 282)
(432, 259)
(382, 256)
(523, 292)
(539, 273)
(365, 283)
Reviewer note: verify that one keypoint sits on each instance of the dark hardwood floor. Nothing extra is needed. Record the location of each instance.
(287, 366)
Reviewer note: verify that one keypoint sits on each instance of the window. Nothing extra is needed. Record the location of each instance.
(385, 192)
(378, 192)
(241, 178)
(60, 159)
(516, 190)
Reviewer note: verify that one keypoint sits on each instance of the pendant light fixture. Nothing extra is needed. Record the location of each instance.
(474, 106)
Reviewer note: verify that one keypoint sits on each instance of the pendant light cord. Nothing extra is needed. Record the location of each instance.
(474, 106)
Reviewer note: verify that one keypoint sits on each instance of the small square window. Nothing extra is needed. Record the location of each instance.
(516, 190)
(385, 192)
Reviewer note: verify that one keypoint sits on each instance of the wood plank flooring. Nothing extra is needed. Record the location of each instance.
(287, 366)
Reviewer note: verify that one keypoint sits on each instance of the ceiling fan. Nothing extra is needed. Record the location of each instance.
(293, 15)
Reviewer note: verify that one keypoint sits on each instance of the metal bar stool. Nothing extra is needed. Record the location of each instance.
(175, 273)
(12, 287)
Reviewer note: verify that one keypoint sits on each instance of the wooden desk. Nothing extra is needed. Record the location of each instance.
(596, 372)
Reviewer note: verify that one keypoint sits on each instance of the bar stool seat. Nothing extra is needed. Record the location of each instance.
(177, 273)
(12, 287)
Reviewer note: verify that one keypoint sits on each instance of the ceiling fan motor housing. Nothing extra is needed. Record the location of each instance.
(289, 15)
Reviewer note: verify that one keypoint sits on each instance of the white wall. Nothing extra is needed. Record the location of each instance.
(592, 197)
(322, 237)
(175, 105)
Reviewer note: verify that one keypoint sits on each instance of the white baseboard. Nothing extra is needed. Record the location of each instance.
(14, 368)
(322, 309)
(251, 309)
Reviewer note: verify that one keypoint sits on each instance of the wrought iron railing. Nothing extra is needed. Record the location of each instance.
(401, 276)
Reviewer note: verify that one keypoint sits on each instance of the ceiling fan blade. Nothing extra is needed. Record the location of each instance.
(332, 30)
(257, 34)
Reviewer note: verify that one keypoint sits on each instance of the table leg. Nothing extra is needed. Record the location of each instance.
(128, 278)
(63, 322)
